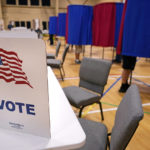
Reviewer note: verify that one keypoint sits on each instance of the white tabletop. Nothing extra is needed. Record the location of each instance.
(66, 132)
(19, 34)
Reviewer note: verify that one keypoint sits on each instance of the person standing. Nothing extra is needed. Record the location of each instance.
(10, 26)
(78, 50)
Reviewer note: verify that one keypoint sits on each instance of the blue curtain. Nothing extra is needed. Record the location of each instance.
(53, 25)
(136, 33)
(61, 24)
(119, 10)
(80, 24)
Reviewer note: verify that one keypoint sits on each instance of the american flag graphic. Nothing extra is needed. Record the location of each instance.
(11, 68)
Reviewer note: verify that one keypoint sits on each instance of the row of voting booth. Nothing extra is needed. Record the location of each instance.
(100, 26)
(57, 25)
(87, 25)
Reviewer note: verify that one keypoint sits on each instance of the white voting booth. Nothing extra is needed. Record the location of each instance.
(24, 86)
(34, 111)
(18, 34)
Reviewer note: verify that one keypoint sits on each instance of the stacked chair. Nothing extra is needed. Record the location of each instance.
(54, 56)
(58, 64)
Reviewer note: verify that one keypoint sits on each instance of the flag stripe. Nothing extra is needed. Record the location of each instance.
(7, 80)
(10, 53)
(10, 58)
(23, 82)
(13, 63)
(16, 72)
(11, 68)
(6, 74)
(16, 77)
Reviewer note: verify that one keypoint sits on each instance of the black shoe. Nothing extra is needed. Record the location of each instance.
(124, 88)
(116, 61)
(77, 61)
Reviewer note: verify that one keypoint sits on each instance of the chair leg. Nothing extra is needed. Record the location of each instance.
(80, 112)
(61, 74)
(63, 70)
(101, 110)
(108, 143)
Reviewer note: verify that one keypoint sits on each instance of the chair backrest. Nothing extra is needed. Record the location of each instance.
(65, 53)
(94, 74)
(127, 119)
(58, 48)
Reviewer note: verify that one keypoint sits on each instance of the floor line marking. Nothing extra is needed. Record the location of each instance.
(113, 109)
(146, 104)
(109, 77)
(142, 82)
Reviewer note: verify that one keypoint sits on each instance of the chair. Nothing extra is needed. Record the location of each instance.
(53, 56)
(54, 63)
(93, 77)
(128, 116)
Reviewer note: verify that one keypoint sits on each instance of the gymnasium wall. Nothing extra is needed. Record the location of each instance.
(28, 13)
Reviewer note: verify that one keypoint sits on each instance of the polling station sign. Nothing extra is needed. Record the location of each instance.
(24, 103)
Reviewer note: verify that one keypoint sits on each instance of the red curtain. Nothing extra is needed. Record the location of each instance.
(104, 24)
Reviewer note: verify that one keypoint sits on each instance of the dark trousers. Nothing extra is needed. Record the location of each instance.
(51, 39)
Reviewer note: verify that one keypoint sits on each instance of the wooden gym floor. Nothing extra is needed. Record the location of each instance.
(111, 98)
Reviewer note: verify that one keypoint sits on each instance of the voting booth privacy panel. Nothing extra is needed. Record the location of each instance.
(79, 19)
(119, 11)
(106, 24)
(98, 25)
(61, 24)
(23, 85)
(53, 25)
(134, 39)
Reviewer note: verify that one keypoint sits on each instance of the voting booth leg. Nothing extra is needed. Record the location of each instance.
(83, 49)
(91, 51)
(113, 54)
(103, 53)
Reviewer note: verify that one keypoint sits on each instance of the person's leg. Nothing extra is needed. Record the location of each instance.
(128, 65)
(77, 54)
(125, 75)
(51, 39)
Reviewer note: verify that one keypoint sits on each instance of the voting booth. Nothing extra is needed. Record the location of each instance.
(24, 89)
(34, 111)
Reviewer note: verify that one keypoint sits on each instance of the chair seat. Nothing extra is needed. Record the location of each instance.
(80, 97)
(53, 63)
(50, 56)
(96, 135)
